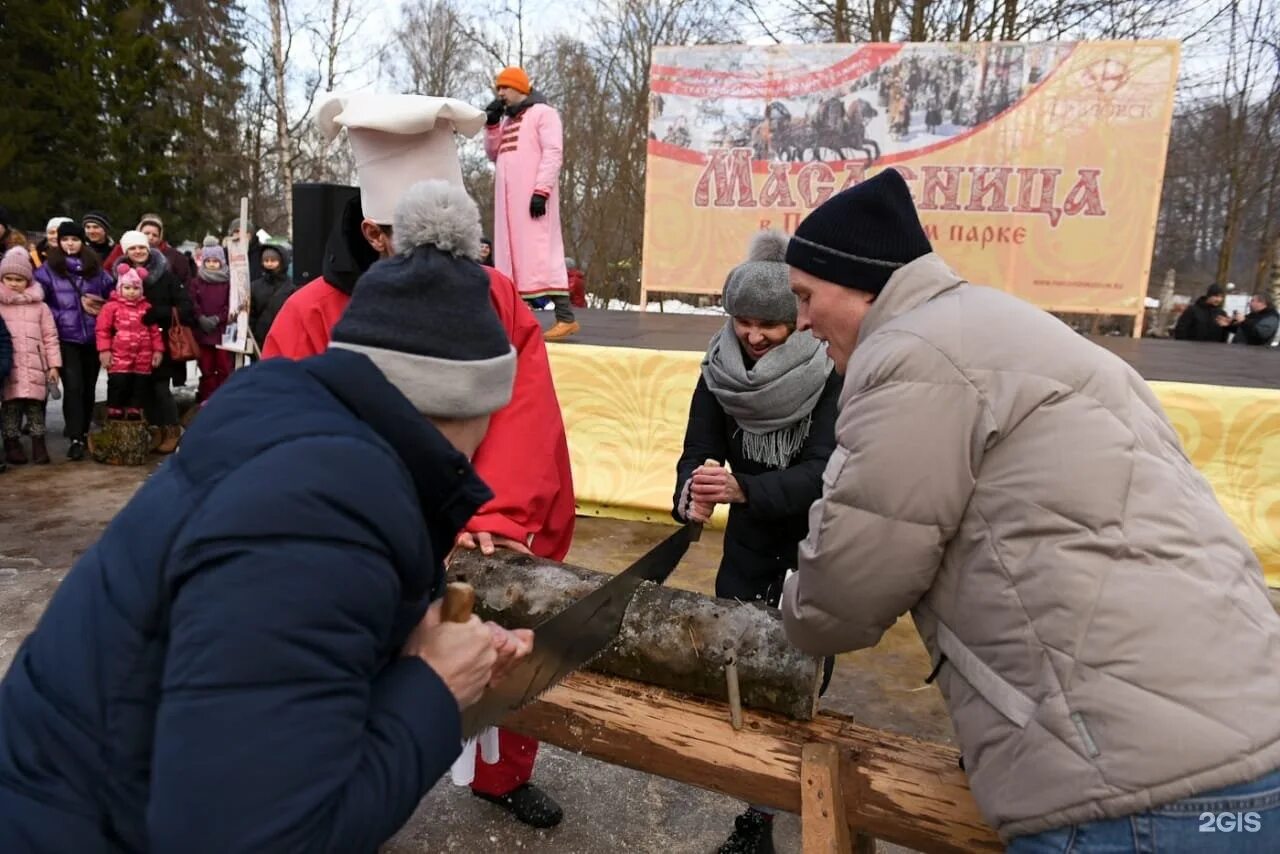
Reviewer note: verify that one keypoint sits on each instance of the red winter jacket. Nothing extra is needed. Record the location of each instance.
(131, 342)
(524, 457)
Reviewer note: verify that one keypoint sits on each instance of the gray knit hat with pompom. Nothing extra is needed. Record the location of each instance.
(760, 287)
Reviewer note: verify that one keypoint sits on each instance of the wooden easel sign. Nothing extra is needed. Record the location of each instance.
(236, 336)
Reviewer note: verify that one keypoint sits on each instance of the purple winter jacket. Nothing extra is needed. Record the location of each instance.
(214, 299)
(62, 293)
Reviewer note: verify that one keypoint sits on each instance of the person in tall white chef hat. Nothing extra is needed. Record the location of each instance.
(397, 140)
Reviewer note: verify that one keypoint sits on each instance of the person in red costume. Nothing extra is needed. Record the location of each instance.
(533, 508)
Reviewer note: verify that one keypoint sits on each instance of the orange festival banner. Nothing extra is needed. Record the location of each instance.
(1036, 167)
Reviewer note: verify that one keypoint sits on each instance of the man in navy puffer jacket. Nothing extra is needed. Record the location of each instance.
(242, 662)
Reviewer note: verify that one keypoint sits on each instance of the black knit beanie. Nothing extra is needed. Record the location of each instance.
(859, 237)
(70, 229)
(426, 321)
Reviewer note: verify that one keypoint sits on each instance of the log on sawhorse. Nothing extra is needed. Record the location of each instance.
(878, 784)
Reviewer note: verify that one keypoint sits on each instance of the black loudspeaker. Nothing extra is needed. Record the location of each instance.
(317, 208)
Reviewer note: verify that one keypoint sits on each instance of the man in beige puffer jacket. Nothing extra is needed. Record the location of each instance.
(1101, 632)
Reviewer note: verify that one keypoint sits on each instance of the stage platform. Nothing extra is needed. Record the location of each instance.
(625, 382)
(1155, 359)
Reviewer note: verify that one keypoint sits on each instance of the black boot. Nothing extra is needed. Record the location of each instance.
(13, 453)
(752, 834)
(528, 804)
(75, 451)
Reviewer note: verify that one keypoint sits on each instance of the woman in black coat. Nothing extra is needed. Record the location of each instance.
(766, 405)
(768, 506)
(165, 292)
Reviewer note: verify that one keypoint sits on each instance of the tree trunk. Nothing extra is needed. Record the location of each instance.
(1165, 313)
(671, 638)
(918, 32)
(121, 443)
(331, 58)
(840, 24)
(1275, 269)
(882, 20)
(1009, 30)
(1230, 229)
(967, 20)
(282, 108)
(1270, 234)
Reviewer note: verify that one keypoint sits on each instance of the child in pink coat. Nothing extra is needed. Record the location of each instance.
(36, 357)
(128, 348)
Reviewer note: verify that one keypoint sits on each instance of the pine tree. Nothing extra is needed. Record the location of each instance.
(206, 47)
(137, 78)
(52, 144)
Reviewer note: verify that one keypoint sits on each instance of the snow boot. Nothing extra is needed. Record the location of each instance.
(528, 804)
(39, 451)
(169, 438)
(752, 834)
(13, 453)
(562, 330)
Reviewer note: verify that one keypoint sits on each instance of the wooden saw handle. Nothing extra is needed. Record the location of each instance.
(695, 528)
(459, 599)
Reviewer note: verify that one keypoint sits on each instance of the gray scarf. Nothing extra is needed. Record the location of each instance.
(223, 275)
(773, 401)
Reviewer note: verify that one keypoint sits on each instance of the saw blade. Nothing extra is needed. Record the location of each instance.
(570, 639)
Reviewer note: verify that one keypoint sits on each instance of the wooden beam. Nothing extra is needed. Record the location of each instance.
(824, 824)
(895, 788)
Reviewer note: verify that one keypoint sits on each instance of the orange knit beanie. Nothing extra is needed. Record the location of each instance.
(515, 78)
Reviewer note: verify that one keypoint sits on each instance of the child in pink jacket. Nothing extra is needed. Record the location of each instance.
(36, 357)
(128, 348)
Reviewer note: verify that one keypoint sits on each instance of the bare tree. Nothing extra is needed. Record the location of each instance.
(342, 26)
(300, 50)
(815, 20)
(602, 86)
(437, 48)
(1247, 117)
(279, 57)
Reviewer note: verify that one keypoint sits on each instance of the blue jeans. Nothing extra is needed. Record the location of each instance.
(1242, 819)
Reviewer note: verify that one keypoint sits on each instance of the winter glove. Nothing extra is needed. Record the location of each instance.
(494, 111)
(208, 323)
(538, 206)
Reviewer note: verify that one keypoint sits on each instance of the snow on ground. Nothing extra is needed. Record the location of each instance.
(669, 306)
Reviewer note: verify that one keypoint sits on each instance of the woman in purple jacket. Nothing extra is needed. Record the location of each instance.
(76, 287)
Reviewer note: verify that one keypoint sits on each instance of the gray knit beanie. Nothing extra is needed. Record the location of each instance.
(760, 287)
